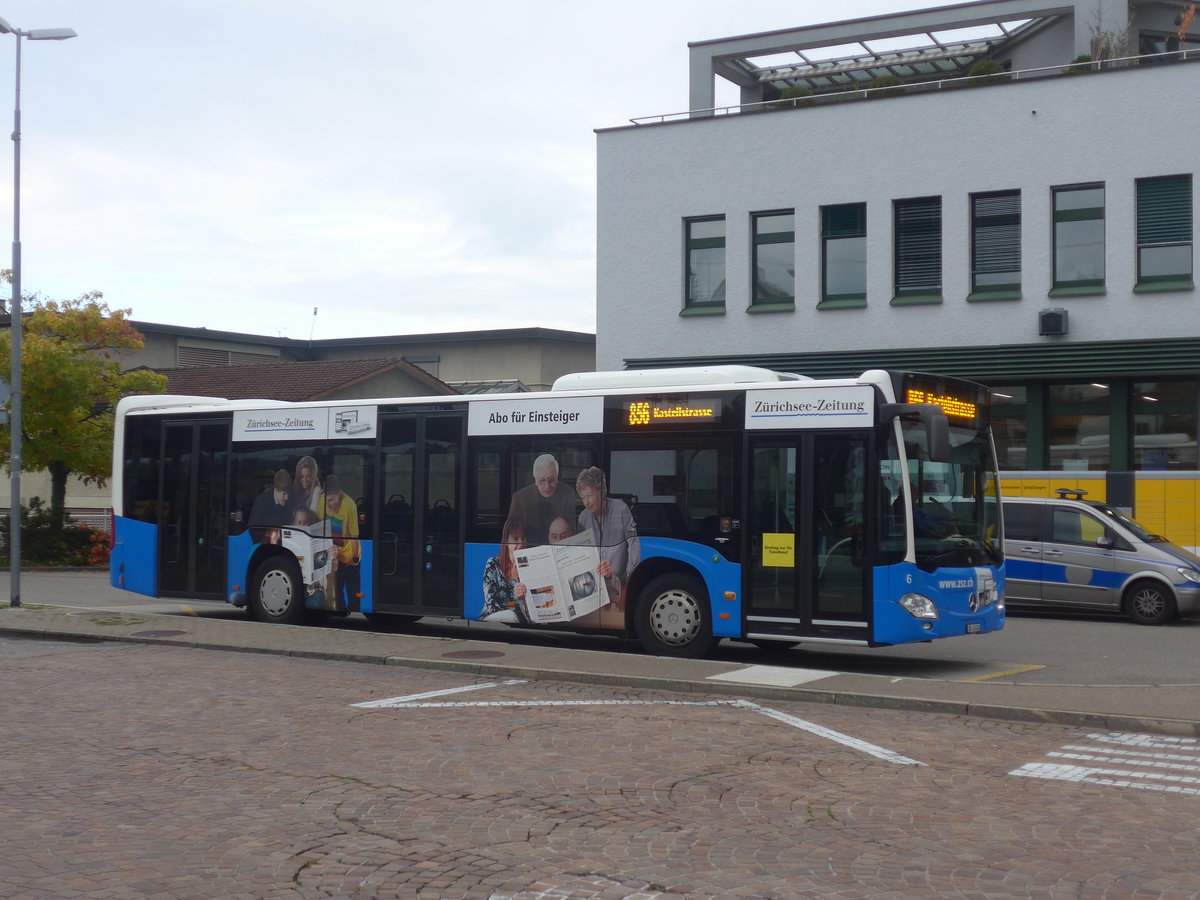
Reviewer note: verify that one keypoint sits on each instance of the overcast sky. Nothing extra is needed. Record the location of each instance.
(400, 166)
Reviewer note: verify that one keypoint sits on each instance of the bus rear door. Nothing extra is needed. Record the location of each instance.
(420, 527)
(193, 499)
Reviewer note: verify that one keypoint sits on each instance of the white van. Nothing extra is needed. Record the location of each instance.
(1071, 553)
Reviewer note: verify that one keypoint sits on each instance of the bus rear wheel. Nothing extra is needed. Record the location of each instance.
(673, 618)
(276, 592)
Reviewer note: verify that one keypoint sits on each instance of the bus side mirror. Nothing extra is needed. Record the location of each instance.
(936, 424)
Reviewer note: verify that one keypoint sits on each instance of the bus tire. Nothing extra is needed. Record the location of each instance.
(672, 617)
(1150, 603)
(276, 592)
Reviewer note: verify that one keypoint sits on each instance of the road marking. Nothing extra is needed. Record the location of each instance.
(1125, 760)
(777, 676)
(419, 701)
(830, 734)
(404, 701)
(1015, 670)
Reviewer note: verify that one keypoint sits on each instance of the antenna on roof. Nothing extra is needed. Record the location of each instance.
(314, 326)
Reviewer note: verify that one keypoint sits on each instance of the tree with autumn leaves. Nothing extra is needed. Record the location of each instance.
(71, 381)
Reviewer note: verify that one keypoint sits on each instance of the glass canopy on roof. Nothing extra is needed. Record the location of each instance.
(910, 57)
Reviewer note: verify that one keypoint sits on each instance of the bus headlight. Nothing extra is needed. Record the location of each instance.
(919, 606)
(1189, 575)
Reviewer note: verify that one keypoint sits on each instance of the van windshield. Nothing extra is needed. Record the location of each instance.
(1130, 525)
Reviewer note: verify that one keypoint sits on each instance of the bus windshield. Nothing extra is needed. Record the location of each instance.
(953, 507)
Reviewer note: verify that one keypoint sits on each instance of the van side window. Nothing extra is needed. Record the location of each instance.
(1071, 526)
(1021, 522)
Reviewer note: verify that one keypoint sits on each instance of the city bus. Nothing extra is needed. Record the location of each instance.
(676, 506)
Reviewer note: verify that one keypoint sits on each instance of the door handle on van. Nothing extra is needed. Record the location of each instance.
(1049, 552)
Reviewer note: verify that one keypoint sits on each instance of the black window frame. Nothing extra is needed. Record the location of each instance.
(996, 243)
(917, 250)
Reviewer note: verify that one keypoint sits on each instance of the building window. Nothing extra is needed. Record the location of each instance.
(996, 244)
(1164, 425)
(774, 258)
(1079, 239)
(1010, 426)
(919, 249)
(1079, 426)
(1164, 232)
(843, 253)
(705, 252)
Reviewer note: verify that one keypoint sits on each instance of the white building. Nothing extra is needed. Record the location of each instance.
(1030, 229)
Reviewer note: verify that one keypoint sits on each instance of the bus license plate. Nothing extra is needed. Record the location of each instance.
(974, 628)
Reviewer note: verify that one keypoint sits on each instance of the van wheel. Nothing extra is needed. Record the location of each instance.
(276, 593)
(673, 618)
(1149, 603)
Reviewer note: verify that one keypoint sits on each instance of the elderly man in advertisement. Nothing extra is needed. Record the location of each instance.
(612, 528)
(539, 504)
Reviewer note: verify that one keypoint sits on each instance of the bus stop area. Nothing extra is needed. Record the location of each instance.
(1165, 709)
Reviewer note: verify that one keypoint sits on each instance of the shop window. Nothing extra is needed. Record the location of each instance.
(1010, 426)
(1079, 426)
(1164, 425)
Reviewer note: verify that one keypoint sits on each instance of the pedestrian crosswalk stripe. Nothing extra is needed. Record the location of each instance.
(1125, 760)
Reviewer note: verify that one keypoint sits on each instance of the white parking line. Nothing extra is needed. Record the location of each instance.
(1125, 760)
(418, 701)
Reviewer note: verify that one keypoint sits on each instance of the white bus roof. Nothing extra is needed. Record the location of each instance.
(687, 375)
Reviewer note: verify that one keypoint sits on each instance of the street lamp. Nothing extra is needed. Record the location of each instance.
(14, 428)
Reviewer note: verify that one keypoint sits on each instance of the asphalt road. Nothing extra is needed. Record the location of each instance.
(1034, 648)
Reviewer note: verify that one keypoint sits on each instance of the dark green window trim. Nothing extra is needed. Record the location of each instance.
(843, 303)
(843, 222)
(761, 220)
(998, 293)
(918, 249)
(1075, 214)
(771, 307)
(1164, 223)
(703, 309)
(1167, 284)
(995, 242)
(1095, 289)
(693, 244)
(916, 299)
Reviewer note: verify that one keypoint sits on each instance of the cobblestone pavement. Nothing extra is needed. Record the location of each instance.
(146, 771)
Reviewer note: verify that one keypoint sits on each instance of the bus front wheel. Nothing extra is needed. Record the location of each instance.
(277, 594)
(673, 618)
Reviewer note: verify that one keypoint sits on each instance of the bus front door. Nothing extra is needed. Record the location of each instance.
(192, 496)
(807, 572)
(420, 528)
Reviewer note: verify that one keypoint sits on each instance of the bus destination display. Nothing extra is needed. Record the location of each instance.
(660, 410)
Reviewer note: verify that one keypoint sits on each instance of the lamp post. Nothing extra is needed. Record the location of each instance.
(14, 512)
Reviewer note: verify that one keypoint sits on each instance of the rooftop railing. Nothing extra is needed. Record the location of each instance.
(920, 87)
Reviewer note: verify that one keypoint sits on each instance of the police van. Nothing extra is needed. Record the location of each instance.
(1066, 552)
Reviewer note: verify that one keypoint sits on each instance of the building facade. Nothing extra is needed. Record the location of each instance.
(995, 190)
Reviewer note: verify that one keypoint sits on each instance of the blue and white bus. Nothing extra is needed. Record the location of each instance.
(680, 506)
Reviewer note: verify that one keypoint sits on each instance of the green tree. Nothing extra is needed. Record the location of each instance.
(71, 383)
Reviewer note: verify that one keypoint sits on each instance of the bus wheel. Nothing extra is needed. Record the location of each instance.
(276, 594)
(1149, 603)
(673, 619)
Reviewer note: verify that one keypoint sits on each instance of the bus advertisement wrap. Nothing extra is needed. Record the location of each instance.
(852, 406)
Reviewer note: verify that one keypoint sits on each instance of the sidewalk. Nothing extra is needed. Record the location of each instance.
(1145, 708)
